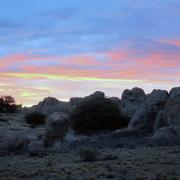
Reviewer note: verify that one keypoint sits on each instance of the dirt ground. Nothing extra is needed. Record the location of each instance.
(156, 163)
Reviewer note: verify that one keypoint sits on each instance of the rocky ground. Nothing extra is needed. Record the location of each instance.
(158, 163)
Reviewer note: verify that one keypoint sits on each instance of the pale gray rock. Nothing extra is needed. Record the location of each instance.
(131, 101)
(145, 117)
(36, 148)
(161, 119)
(174, 97)
(57, 128)
(165, 136)
(170, 116)
(173, 118)
(165, 132)
(50, 105)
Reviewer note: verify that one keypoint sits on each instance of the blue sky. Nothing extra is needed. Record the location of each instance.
(117, 41)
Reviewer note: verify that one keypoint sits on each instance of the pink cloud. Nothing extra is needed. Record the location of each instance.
(156, 67)
(174, 42)
(120, 64)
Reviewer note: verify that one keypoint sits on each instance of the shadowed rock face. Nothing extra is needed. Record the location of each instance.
(50, 105)
(170, 116)
(57, 128)
(145, 117)
(75, 101)
(131, 101)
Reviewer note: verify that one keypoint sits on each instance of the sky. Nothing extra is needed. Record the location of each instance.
(71, 48)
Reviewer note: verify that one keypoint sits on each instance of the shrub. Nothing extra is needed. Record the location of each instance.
(8, 104)
(108, 157)
(35, 119)
(95, 114)
(89, 154)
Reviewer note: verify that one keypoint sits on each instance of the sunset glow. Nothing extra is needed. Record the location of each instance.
(73, 48)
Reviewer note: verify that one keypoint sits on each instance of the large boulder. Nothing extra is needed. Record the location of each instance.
(131, 101)
(165, 136)
(116, 100)
(174, 97)
(50, 105)
(57, 128)
(170, 116)
(161, 119)
(36, 148)
(145, 117)
(75, 101)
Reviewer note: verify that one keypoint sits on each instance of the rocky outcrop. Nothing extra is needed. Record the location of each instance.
(36, 148)
(161, 120)
(57, 128)
(144, 118)
(97, 94)
(170, 116)
(165, 136)
(115, 100)
(75, 101)
(131, 101)
(50, 105)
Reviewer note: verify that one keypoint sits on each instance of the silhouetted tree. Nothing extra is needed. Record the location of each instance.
(35, 119)
(95, 114)
(8, 104)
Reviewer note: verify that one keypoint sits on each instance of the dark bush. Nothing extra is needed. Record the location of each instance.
(35, 119)
(89, 154)
(8, 104)
(96, 113)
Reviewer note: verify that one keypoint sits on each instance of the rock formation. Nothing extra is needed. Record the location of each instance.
(169, 117)
(131, 101)
(50, 105)
(57, 128)
(145, 117)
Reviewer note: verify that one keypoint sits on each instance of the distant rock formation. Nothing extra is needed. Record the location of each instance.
(75, 101)
(144, 118)
(50, 105)
(131, 101)
(168, 120)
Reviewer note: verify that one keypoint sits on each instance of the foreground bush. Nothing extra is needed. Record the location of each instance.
(35, 119)
(88, 155)
(8, 104)
(96, 113)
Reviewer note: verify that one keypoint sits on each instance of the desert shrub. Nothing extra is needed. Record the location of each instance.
(8, 104)
(89, 154)
(108, 157)
(35, 118)
(94, 114)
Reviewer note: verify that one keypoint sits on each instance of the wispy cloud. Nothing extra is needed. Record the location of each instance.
(72, 48)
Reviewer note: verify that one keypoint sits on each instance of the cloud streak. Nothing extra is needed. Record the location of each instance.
(66, 49)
